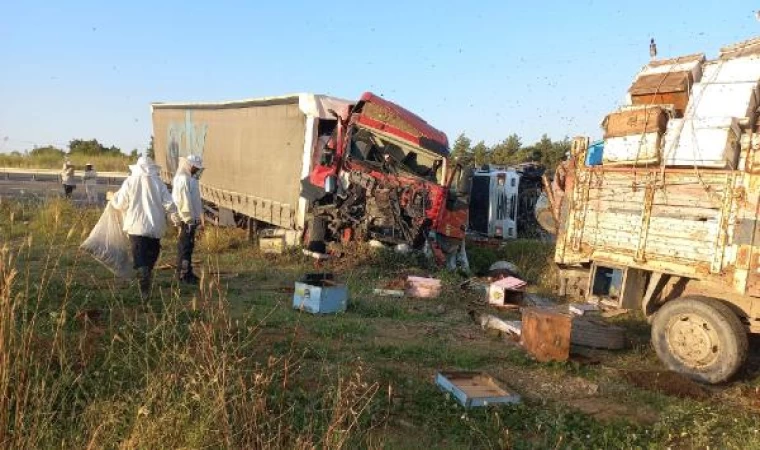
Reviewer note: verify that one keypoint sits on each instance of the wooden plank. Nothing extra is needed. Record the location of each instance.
(655, 247)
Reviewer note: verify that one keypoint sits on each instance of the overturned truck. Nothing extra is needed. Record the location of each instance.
(314, 169)
(667, 219)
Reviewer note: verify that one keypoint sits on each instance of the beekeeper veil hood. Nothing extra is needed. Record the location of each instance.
(191, 162)
(144, 166)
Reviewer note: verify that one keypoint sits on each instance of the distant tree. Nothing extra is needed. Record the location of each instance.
(91, 147)
(134, 155)
(557, 153)
(47, 151)
(460, 151)
(16, 153)
(150, 152)
(505, 152)
(542, 149)
(480, 154)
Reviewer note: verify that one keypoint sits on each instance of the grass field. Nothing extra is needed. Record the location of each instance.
(84, 364)
(103, 163)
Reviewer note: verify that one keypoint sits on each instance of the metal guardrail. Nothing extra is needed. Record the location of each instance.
(7, 172)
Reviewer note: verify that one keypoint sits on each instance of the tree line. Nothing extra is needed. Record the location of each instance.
(510, 151)
(83, 147)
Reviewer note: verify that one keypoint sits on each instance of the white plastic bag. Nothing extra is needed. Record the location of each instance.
(109, 244)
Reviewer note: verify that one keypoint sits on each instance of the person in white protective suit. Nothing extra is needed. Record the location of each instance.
(67, 179)
(90, 180)
(187, 197)
(145, 201)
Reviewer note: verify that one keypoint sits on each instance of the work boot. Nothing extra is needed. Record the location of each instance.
(190, 278)
(145, 279)
(185, 273)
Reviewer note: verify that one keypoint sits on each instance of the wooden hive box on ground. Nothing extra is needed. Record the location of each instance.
(474, 389)
(546, 334)
(320, 296)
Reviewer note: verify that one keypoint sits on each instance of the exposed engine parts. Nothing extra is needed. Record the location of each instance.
(391, 210)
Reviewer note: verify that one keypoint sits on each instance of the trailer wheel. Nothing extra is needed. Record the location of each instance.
(700, 337)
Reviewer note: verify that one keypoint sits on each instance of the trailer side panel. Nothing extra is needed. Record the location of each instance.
(253, 155)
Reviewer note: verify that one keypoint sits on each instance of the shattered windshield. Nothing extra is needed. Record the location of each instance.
(393, 155)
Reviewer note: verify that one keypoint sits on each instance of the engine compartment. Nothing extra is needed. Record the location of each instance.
(392, 210)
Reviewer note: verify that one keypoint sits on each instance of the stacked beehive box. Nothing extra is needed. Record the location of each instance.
(667, 82)
(709, 133)
(687, 111)
(634, 134)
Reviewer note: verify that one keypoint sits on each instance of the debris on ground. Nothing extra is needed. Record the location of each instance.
(320, 294)
(580, 309)
(395, 287)
(388, 292)
(595, 333)
(610, 313)
(475, 284)
(503, 269)
(316, 255)
(489, 321)
(474, 389)
(538, 301)
(506, 290)
(422, 287)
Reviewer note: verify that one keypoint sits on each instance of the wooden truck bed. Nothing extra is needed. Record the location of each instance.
(690, 222)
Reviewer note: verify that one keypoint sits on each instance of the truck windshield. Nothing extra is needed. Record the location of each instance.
(390, 154)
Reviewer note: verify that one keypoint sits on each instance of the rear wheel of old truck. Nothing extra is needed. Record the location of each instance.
(700, 337)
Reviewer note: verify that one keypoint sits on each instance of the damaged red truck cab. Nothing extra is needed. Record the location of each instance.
(384, 174)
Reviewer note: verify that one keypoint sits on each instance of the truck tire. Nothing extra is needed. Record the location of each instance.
(700, 337)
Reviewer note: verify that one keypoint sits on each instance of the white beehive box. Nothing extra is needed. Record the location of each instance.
(637, 149)
(707, 142)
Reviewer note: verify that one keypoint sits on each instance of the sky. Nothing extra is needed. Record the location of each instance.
(86, 70)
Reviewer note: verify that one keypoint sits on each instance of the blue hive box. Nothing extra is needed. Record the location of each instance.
(320, 297)
(594, 154)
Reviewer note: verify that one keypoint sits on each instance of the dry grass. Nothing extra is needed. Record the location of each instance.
(104, 163)
(82, 365)
(85, 364)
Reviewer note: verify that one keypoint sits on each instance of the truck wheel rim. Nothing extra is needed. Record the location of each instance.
(693, 340)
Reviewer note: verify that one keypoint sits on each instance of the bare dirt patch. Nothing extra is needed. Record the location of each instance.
(669, 383)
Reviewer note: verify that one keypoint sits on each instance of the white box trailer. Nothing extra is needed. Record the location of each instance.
(255, 152)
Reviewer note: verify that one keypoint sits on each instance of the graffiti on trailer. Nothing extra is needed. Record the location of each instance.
(184, 139)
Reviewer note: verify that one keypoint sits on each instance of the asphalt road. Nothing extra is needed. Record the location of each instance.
(26, 188)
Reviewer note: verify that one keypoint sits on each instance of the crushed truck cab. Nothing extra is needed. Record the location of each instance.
(315, 169)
